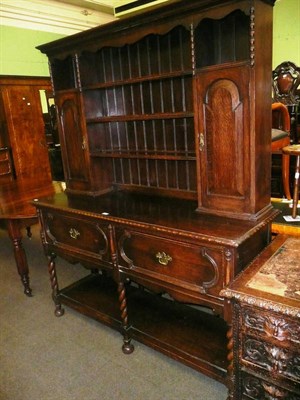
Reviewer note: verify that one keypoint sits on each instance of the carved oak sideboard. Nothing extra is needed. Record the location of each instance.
(265, 302)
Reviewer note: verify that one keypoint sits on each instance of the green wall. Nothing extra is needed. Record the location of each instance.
(18, 55)
(286, 32)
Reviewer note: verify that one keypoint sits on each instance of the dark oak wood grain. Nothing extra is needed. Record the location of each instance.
(164, 122)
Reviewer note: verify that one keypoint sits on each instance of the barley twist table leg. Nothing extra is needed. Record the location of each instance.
(59, 311)
(230, 375)
(127, 347)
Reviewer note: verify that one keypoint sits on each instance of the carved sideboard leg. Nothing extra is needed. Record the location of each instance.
(127, 347)
(230, 381)
(230, 375)
(14, 232)
(59, 311)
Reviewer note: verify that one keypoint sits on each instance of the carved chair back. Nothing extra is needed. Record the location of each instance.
(286, 79)
(286, 82)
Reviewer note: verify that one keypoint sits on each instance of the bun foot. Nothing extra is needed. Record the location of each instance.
(28, 292)
(127, 348)
(59, 312)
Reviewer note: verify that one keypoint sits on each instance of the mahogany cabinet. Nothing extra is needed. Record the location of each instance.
(165, 130)
(22, 133)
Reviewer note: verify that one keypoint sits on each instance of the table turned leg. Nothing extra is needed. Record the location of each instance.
(14, 231)
(294, 150)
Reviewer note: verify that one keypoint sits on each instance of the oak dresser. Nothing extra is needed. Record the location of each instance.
(165, 130)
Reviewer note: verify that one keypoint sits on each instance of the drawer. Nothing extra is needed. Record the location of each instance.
(77, 235)
(271, 325)
(282, 361)
(255, 388)
(196, 268)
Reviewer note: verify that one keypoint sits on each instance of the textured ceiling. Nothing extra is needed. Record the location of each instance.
(66, 16)
(111, 6)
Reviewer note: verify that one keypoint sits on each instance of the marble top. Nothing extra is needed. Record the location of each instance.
(280, 275)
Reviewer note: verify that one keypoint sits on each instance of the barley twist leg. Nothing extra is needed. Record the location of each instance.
(230, 375)
(127, 347)
(59, 311)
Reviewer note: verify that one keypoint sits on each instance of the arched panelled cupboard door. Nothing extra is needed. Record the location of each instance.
(223, 139)
(73, 141)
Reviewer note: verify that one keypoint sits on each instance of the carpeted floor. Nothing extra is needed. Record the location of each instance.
(43, 357)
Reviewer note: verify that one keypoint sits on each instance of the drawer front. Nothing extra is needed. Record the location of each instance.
(77, 235)
(196, 268)
(271, 325)
(255, 388)
(277, 360)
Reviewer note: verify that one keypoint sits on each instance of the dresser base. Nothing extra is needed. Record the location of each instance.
(187, 334)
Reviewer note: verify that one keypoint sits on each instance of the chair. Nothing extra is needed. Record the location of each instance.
(286, 79)
(294, 150)
(280, 139)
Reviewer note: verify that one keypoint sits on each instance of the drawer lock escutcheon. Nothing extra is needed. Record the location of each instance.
(74, 233)
(163, 258)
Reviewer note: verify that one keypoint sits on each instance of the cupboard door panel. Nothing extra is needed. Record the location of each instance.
(73, 141)
(223, 137)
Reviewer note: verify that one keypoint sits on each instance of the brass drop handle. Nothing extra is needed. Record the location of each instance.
(74, 233)
(163, 258)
